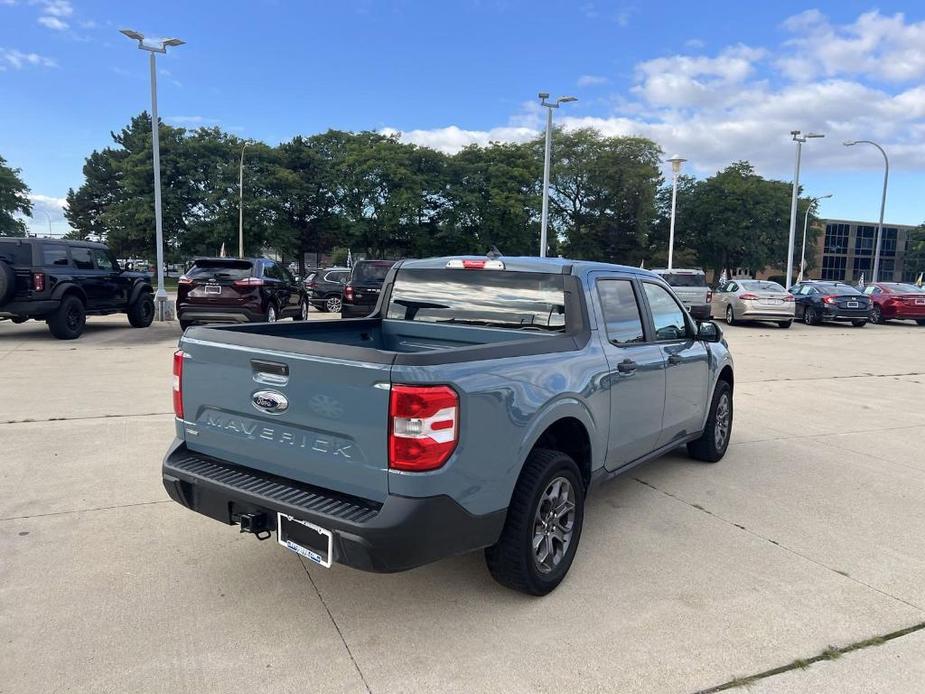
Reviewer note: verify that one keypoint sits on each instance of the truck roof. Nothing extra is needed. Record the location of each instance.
(563, 266)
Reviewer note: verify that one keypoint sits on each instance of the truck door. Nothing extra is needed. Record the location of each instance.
(637, 369)
(686, 364)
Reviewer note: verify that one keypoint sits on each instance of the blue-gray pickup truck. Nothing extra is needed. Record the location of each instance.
(473, 408)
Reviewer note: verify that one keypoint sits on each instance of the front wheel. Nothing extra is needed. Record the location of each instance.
(712, 444)
(785, 324)
(876, 315)
(543, 525)
(141, 313)
(730, 316)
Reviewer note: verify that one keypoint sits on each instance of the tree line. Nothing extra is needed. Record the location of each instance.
(374, 194)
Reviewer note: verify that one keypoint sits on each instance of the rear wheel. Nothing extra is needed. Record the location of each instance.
(730, 316)
(876, 315)
(920, 321)
(184, 324)
(811, 316)
(859, 323)
(68, 321)
(7, 282)
(785, 324)
(712, 444)
(271, 314)
(333, 304)
(141, 313)
(543, 525)
(303, 311)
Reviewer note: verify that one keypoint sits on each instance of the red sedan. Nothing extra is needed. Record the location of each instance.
(896, 301)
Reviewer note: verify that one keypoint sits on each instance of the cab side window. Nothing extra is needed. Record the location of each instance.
(103, 261)
(82, 257)
(668, 316)
(621, 311)
(54, 254)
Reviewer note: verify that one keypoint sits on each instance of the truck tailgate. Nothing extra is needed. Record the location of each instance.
(330, 423)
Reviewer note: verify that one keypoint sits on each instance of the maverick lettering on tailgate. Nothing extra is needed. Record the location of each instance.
(321, 443)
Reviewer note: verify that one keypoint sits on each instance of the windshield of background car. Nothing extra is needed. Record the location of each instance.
(371, 272)
(678, 279)
(495, 298)
(903, 288)
(220, 269)
(761, 286)
(837, 289)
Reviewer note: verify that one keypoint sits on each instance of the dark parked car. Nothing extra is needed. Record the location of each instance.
(362, 289)
(830, 301)
(63, 282)
(326, 287)
(896, 301)
(238, 290)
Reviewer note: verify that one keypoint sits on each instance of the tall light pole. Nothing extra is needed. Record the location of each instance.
(812, 202)
(550, 105)
(48, 217)
(154, 46)
(241, 203)
(886, 178)
(799, 139)
(676, 162)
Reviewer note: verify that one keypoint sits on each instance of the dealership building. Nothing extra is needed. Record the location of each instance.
(845, 251)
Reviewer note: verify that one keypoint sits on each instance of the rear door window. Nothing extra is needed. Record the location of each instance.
(621, 311)
(54, 254)
(82, 257)
(372, 272)
(16, 252)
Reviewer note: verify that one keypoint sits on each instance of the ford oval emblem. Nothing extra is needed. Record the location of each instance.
(270, 402)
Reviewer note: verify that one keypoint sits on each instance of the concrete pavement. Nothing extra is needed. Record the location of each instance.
(808, 534)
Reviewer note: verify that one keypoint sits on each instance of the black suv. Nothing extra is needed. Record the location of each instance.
(63, 282)
(818, 301)
(325, 288)
(364, 286)
(238, 290)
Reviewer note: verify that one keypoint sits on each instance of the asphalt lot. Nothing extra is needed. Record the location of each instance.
(810, 534)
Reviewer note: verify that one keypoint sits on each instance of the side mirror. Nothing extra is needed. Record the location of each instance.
(709, 331)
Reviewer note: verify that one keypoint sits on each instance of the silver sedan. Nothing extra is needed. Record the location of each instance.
(753, 300)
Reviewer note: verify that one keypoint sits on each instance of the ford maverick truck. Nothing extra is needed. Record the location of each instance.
(474, 408)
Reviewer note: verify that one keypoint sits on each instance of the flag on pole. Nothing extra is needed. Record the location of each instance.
(349, 258)
(642, 264)
(723, 279)
(221, 253)
(861, 282)
(918, 282)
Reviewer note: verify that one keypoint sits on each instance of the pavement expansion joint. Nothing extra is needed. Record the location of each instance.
(87, 510)
(818, 563)
(830, 653)
(327, 609)
(92, 416)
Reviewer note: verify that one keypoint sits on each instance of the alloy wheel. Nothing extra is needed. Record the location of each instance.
(875, 315)
(333, 304)
(553, 525)
(271, 314)
(730, 316)
(303, 310)
(721, 427)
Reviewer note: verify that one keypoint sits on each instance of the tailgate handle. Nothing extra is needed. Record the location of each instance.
(270, 372)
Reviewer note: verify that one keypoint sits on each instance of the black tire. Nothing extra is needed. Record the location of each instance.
(920, 321)
(7, 282)
(730, 316)
(68, 321)
(876, 315)
(184, 324)
(811, 316)
(512, 560)
(785, 324)
(709, 448)
(141, 313)
(303, 311)
(859, 323)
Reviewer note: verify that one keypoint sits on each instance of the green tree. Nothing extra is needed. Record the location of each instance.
(14, 199)
(915, 252)
(86, 206)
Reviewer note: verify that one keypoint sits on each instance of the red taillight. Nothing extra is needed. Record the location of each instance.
(789, 297)
(178, 383)
(830, 299)
(748, 296)
(423, 426)
(38, 281)
(348, 293)
(184, 280)
(249, 282)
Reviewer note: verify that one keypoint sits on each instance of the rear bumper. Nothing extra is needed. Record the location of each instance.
(768, 313)
(28, 309)
(356, 310)
(842, 314)
(398, 534)
(218, 314)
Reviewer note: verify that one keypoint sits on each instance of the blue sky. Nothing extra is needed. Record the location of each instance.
(715, 81)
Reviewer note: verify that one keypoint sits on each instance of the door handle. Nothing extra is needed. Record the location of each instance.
(627, 366)
(674, 360)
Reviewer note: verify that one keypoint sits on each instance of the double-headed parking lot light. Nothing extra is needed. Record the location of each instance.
(544, 218)
(154, 46)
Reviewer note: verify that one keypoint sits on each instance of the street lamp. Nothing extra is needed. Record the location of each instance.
(886, 178)
(550, 105)
(812, 202)
(48, 217)
(241, 203)
(676, 162)
(799, 139)
(154, 46)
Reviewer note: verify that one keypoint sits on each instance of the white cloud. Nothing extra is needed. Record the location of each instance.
(192, 121)
(10, 57)
(591, 80)
(743, 101)
(53, 23)
(55, 8)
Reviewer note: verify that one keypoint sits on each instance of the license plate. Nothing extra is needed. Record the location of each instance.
(213, 289)
(773, 302)
(305, 539)
(920, 302)
(853, 304)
